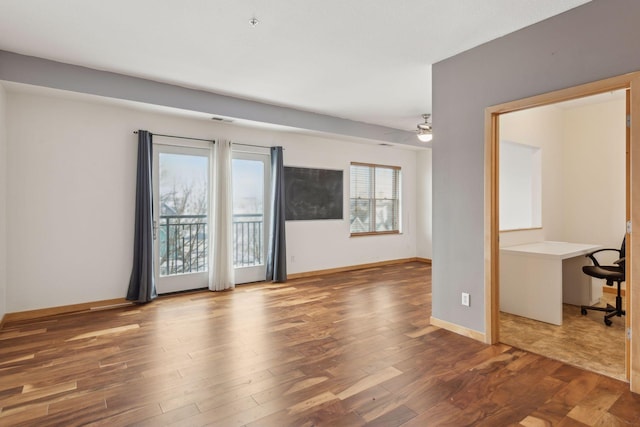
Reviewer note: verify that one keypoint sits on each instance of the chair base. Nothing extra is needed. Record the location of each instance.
(609, 309)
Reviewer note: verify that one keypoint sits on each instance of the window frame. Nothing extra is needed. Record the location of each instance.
(372, 201)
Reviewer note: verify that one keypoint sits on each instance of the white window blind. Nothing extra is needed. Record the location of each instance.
(375, 199)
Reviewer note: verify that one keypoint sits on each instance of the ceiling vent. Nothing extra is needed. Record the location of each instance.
(221, 119)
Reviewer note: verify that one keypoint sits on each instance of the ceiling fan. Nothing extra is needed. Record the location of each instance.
(424, 130)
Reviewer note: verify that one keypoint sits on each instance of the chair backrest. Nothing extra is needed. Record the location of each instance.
(623, 254)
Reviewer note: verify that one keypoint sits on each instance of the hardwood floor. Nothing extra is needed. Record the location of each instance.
(346, 349)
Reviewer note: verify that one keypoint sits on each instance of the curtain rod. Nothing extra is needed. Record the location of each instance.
(251, 145)
(207, 140)
(180, 137)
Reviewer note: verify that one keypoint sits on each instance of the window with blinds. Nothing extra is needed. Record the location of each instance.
(375, 199)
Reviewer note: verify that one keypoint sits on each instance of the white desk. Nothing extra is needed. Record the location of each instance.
(536, 278)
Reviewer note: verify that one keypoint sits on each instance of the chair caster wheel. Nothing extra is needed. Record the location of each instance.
(607, 322)
(583, 311)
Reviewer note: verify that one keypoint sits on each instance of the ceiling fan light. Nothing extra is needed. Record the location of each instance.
(425, 136)
(424, 129)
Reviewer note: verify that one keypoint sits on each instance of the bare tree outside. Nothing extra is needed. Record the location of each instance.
(183, 230)
(184, 202)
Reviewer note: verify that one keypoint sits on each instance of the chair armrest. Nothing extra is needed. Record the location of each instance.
(593, 258)
(620, 261)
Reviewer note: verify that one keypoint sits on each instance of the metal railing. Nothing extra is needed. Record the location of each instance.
(248, 240)
(184, 246)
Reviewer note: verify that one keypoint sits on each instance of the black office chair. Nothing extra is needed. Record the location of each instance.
(611, 273)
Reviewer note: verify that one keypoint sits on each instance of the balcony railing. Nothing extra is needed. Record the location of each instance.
(248, 240)
(184, 245)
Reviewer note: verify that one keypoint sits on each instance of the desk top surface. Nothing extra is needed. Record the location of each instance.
(559, 250)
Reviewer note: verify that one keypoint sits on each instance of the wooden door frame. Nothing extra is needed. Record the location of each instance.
(491, 210)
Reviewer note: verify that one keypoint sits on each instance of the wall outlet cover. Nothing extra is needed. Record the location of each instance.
(465, 299)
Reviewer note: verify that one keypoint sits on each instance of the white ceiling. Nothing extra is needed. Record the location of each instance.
(364, 60)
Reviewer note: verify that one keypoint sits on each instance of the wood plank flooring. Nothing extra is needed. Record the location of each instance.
(347, 349)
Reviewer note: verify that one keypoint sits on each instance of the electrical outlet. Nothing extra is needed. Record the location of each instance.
(293, 258)
(465, 299)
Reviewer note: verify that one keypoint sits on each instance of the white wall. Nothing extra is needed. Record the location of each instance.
(588, 170)
(583, 190)
(594, 173)
(71, 197)
(3, 204)
(540, 127)
(423, 208)
(520, 185)
(318, 245)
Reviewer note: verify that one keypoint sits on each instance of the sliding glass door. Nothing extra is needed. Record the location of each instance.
(250, 178)
(181, 212)
(181, 208)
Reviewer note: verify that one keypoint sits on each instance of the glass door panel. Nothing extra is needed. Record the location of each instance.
(181, 205)
(250, 177)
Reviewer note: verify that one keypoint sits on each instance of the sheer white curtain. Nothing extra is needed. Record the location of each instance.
(221, 274)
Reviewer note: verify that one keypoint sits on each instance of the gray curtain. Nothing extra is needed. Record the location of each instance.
(277, 255)
(142, 286)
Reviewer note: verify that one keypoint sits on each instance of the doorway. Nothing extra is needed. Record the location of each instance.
(251, 171)
(570, 156)
(181, 210)
(492, 298)
(181, 215)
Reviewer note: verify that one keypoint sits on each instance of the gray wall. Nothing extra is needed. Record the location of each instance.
(43, 72)
(3, 204)
(423, 205)
(598, 40)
